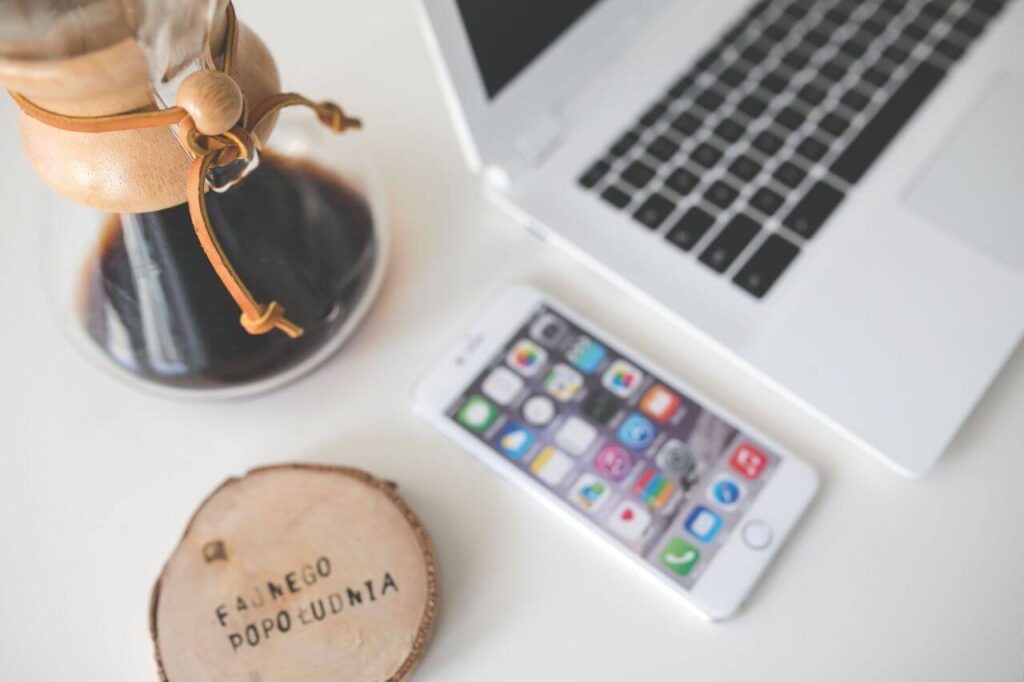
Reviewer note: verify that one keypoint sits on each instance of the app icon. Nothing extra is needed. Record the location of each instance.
(703, 523)
(548, 329)
(551, 465)
(477, 414)
(575, 436)
(622, 379)
(726, 491)
(637, 432)
(749, 461)
(659, 403)
(590, 492)
(675, 458)
(585, 354)
(600, 406)
(502, 385)
(629, 520)
(526, 357)
(653, 488)
(514, 440)
(562, 381)
(679, 556)
(539, 410)
(613, 462)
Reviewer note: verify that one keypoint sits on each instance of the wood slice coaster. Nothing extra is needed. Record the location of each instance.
(297, 572)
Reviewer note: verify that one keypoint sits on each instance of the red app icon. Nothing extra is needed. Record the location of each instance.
(749, 461)
(660, 403)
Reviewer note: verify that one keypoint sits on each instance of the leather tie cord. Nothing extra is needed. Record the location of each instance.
(208, 152)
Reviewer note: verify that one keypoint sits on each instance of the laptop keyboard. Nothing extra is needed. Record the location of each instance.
(746, 155)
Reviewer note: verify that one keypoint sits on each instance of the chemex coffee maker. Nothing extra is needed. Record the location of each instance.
(206, 248)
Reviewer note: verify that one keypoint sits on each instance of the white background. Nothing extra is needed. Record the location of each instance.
(888, 578)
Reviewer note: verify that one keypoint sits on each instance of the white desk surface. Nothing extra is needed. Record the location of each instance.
(888, 578)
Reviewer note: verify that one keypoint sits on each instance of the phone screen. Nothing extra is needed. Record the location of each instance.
(621, 446)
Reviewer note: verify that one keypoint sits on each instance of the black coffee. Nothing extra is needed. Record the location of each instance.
(294, 232)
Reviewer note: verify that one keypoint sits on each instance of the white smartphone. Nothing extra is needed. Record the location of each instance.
(698, 500)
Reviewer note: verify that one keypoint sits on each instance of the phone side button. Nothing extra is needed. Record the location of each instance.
(757, 534)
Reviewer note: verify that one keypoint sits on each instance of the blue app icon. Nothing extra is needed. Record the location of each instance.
(586, 355)
(703, 524)
(726, 492)
(514, 440)
(637, 432)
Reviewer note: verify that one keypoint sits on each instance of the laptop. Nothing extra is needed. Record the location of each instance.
(830, 191)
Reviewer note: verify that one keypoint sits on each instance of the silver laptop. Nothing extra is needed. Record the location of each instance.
(830, 190)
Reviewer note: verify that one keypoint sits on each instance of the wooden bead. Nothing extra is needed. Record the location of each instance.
(213, 100)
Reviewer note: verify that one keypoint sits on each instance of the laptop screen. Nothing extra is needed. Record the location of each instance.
(506, 35)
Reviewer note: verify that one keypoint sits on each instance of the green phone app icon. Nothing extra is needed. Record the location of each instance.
(679, 556)
(477, 414)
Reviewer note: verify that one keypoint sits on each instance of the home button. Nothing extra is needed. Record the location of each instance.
(757, 534)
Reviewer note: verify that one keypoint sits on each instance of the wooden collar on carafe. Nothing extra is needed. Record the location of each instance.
(215, 125)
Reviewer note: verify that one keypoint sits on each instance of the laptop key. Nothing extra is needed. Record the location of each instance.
(887, 122)
(796, 60)
(690, 228)
(773, 83)
(796, 11)
(625, 143)
(663, 148)
(776, 32)
(811, 94)
(638, 174)
(755, 52)
(725, 247)
(594, 174)
(686, 123)
(729, 130)
(654, 210)
(720, 194)
(816, 37)
(936, 10)
(709, 58)
(812, 149)
(833, 70)
(790, 118)
(732, 77)
(752, 105)
(706, 155)
(895, 54)
(855, 100)
(680, 87)
(745, 168)
(984, 10)
(652, 115)
(834, 124)
(852, 47)
(709, 99)
(968, 27)
(949, 49)
(681, 181)
(766, 201)
(767, 142)
(915, 31)
(789, 174)
(769, 261)
(616, 197)
(813, 209)
(875, 76)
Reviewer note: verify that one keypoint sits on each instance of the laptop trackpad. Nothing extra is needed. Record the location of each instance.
(975, 187)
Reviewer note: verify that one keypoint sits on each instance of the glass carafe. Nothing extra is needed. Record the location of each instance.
(298, 221)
